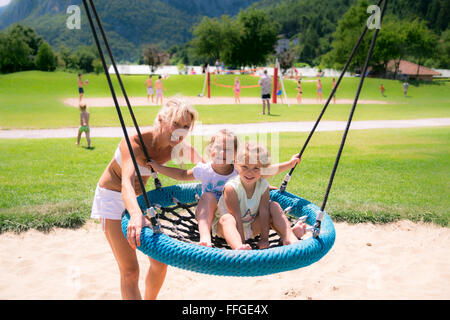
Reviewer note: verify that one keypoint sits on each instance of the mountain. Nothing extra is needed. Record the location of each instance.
(129, 24)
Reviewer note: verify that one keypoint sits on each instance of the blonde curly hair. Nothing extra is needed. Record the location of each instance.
(253, 153)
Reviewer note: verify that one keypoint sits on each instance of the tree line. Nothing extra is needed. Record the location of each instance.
(22, 49)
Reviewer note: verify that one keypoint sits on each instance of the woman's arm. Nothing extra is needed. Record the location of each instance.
(232, 203)
(129, 198)
(275, 169)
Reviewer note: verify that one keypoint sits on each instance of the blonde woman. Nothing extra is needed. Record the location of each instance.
(118, 188)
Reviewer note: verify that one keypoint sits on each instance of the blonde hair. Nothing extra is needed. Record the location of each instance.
(227, 134)
(253, 153)
(82, 106)
(177, 109)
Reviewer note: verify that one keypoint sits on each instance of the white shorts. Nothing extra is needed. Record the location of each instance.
(107, 204)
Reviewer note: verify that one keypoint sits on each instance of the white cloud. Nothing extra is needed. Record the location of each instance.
(4, 2)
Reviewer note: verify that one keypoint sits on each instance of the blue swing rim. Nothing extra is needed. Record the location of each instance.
(236, 263)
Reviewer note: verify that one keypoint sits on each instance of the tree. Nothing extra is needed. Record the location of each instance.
(153, 56)
(348, 31)
(208, 39)
(84, 58)
(286, 60)
(443, 50)
(45, 58)
(258, 39)
(15, 54)
(28, 35)
(421, 41)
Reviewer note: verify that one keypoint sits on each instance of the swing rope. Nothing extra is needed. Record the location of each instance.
(288, 176)
(149, 210)
(320, 213)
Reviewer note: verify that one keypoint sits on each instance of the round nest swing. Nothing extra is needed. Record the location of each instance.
(177, 245)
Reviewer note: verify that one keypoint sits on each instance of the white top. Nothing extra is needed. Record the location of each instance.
(249, 206)
(211, 180)
(143, 170)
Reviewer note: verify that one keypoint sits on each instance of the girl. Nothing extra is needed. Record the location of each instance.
(245, 209)
(84, 125)
(118, 188)
(237, 90)
(214, 175)
(299, 94)
(319, 90)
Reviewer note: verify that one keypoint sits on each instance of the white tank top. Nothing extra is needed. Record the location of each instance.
(143, 170)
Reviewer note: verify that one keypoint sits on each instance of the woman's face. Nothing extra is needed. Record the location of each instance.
(177, 130)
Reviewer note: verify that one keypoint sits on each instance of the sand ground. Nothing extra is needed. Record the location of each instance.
(402, 260)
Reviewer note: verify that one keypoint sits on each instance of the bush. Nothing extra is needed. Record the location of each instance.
(45, 58)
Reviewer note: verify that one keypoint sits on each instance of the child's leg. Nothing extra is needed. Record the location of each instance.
(88, 138)
(204, 214)
(227, 229)
(79, 137)
(281, 224)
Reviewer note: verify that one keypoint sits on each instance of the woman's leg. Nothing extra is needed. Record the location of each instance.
(126, 259)
(204, 214)
(154, 279)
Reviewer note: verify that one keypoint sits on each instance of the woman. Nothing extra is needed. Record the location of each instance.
(118, 188)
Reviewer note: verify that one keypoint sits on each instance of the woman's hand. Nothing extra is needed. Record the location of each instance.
(134, 230)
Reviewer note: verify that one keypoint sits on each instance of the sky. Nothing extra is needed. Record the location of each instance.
(4, 2)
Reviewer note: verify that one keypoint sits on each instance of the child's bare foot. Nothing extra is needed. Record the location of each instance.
(290, 239)
(205, 244)
(299, 229)
(244, 247)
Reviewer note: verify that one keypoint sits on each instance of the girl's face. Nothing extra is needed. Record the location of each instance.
(249, 173)
(222, 150)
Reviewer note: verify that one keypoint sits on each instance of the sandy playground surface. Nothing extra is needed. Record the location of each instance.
(142, 101)
(402, 260)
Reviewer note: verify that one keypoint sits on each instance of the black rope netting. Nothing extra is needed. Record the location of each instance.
(179, 222)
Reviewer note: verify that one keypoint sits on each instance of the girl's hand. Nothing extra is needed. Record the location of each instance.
(295, 160)
(134, 230)
(153, 164)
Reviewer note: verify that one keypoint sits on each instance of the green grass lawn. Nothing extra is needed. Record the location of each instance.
(384, 176)
(33, 100)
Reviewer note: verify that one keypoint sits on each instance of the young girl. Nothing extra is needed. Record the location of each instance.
(84, 125)
(237, 90)
(299, 90)
(214, 175)
(245, 209)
